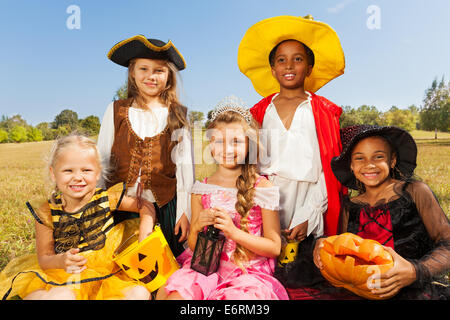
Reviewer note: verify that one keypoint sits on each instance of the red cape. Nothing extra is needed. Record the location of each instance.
(326, 118)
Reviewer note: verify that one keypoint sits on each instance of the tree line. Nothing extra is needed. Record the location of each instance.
(434, 114)
(16, 129)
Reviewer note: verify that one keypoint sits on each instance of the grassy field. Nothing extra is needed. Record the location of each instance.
(23, 177)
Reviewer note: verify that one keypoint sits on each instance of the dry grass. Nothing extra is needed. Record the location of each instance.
(429, 135)
(23, 178)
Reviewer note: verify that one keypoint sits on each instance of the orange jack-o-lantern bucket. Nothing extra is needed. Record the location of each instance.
(349, 260)
(150, 262)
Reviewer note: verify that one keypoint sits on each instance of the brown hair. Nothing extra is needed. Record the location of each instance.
(245, 183)
(169, 96)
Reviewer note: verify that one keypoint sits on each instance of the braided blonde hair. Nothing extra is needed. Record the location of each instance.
(245, 183)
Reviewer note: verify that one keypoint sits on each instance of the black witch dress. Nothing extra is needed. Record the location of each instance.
(412, 222)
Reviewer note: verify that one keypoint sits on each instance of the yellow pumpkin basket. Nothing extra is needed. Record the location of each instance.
(288, 253)
(150, 262)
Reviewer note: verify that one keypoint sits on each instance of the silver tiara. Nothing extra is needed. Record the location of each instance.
(233, 104)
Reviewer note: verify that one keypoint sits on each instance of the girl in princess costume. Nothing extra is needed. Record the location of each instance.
(395, 209)
(243, 205)
(76, 233)
(288, 59)
(143, 138)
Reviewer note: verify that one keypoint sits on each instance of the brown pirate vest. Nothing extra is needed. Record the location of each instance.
(152, 156)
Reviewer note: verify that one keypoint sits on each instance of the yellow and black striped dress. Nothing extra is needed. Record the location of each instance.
(91, 229)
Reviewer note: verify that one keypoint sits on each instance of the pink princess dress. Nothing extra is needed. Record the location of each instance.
(230, 282)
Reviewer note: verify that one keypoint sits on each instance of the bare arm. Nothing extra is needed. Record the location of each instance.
(199, 219)
(147, 214)
(47, 257)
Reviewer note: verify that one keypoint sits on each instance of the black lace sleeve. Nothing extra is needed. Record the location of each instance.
(343, 217)
(437, 261)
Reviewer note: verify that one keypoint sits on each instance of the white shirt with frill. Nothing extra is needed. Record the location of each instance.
(291, 159)
(149, 123)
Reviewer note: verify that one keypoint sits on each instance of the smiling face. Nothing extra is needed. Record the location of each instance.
(76, 172)
(290, 65)
(372, 160)
(150, 76)
(229, 144)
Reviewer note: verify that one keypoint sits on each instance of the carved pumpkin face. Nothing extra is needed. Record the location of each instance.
(150, 262)
(348, 260)
(288, 253)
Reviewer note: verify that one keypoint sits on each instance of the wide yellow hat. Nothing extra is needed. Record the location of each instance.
(262, 37)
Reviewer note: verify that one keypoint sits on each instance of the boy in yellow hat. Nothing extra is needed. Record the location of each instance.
(287, 59)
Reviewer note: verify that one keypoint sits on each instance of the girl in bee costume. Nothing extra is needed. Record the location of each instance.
(76, 235)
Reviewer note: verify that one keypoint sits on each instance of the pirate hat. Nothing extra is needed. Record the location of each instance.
(402, 142)
(141, 47)
(262, 37)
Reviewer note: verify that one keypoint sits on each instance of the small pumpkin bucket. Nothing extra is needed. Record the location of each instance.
(149, 262)
(288, 253)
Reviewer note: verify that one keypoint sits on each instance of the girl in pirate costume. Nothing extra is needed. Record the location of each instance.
(398, 211)
(76, 235)
(143, 139)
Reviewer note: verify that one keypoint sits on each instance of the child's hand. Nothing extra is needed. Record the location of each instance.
(73, 262)
(183, 224)
(298, 232)
(205, 218)
(388, 284)
(147, 214)
(224, 222)
(316, 256)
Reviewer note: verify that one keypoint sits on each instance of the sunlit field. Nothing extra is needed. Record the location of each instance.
(23, 177)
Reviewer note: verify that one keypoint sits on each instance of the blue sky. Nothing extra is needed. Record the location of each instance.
(47, 67)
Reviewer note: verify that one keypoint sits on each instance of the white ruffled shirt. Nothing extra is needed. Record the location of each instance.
(293, 163)
(148, 123)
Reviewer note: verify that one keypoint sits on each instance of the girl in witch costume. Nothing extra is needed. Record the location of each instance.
(243, 205)
(287, 59)
(76, 234)
(144, 138)
(398, 211)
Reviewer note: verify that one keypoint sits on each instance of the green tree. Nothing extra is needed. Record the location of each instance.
(369, 115)
(208, 118)
(62, 131)
(66, 118)
(435, 112)
(399, 118)
(349, 117)
(363, 115)
(3, 136)
(8, 123)
(90, 125)
(47, 132)
(122, 92)
(416, 115)
(18, 134)
(195, 116)
(34, 134)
